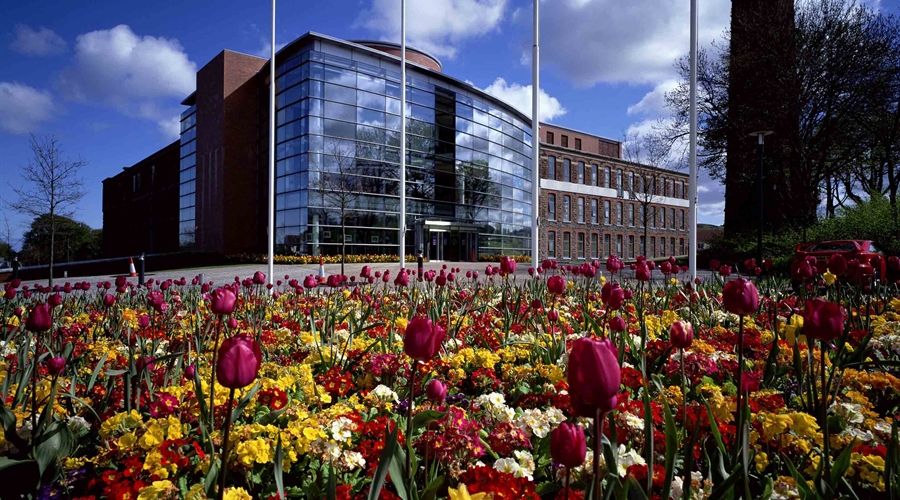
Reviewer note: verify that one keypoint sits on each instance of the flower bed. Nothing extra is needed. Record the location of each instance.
(462, 386)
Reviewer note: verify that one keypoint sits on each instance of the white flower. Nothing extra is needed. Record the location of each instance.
(633, 421)
(555, 416)
(78, 425)
(385, 393)
(496, 399)
(332, 451)
(509, 466)
(853, 432)
(351, 460)
(526, 462)
(851, 413)
(627, 459)
(677, 488)
(340, 429)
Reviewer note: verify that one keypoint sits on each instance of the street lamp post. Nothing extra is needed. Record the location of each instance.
(759, 181)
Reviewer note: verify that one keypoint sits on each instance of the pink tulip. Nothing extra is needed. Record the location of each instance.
(436, 391)
(238, 362)
(823, 320)
(567, 445)
(39, 320)
(617, 324)
(594, 377)
(422, 339)
(556, 285)
(681, 334)
(222, 301)
(740, 297)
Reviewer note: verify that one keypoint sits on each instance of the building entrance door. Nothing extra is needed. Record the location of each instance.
(439, 240)
(468, 246)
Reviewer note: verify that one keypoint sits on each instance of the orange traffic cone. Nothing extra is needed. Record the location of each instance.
(131, 271)
(321, 270)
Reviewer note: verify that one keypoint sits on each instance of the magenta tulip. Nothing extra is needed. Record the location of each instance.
(617, 324)
(681, 334)
(109, 300)
(740, 297)
(823, 320)
(259, 278)
(507, 265)
(567, 445)
(594, 376)
(39, 320)
(222, 301)
(556, 284)
(642, 272)
(402, 279)
(837, 264)
(56, 365)
(143, 321)
(436, 391)
(423, 339)
(238, 363)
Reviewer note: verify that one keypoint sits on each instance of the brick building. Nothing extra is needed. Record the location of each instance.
(594, 204)
(144, 199)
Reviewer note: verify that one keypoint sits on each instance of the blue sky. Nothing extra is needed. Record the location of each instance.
(106, 77)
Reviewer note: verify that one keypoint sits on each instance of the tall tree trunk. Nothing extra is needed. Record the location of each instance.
(52, 242)
(829, 198)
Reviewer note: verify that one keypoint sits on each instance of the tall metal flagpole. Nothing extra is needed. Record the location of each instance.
(402, 240)
(692, 249)
(535, 137)
(272, 155)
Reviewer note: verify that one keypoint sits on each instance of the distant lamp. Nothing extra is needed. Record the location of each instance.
(759, 181)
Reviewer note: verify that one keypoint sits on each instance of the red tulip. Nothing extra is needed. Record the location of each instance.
(642, 273)
(750, 382)
(804, 271)
(894, 262)
(259, 278)
(39, 320)
(724, 271)
(552, 316)
(10, 293)
(567, 445)
(507, 265)
(556, 284)
(613, 296)
(365, 272)
(594, 377)
(681, 334)
(823, 320)
(837, 264)
(613, 264)
(740, 297)
(238, 362)
(423, 339)
(189, 371)
(436, 390)
(109, 300)
(617, 324)
(222, 301)
(143, 321)
(56, 365)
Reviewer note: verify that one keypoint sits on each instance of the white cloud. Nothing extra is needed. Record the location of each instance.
(40, 42)
(520, 97)
(130, 73)
(265, 49)
(654, 102)
(23, 108)
(702, 189)
(435, 26)
(594, 41)
(713, 209)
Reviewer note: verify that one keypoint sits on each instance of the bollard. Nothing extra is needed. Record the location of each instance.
(141, 272)
(420, 261)
(202, 280)
(65, 274)
(15, 266)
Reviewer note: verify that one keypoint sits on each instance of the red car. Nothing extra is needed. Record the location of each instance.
(861, 250)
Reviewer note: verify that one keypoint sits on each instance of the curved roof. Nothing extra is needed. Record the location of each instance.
(396, 46)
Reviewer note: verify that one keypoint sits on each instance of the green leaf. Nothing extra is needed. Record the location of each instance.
(806, 492)
(201, 398)
(279, 473)
(671, 448)
(332, 483)
(96, 372)
(426, 417)
(7, 462)
(239, 409)
(725, 486)
(209, 482)
(397, 468)
(54, 444)
(840, 466)
(634, 489)
(384, 462)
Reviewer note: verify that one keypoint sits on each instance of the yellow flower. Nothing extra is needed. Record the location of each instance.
(153, 437)
(401, 323)
(762, 460)
(237, 494)
(127, 441)
(462, 493)
(829, 278)
(156, 490)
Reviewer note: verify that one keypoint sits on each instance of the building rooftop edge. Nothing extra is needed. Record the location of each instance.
(612, 159)
(397, 46)
(581, 132)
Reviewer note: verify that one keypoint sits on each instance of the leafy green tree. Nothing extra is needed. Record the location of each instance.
(72, 240)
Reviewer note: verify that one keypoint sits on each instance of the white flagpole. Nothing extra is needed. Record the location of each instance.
(692, 251)
(402, 239)
(535, 138)
(272, 155)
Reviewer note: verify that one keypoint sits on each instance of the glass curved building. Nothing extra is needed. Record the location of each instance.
(338, 156)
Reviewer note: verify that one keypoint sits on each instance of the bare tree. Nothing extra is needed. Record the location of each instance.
(649, 153)
(6, 246)
(52, 186)
(340, 185)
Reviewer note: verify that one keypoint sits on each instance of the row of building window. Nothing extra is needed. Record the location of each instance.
(656, 217)
(590, 175)
(630, 248)
(564, 140)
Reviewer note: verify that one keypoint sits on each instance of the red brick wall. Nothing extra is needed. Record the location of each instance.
(589, 143)
(411, 56)
(145, 220)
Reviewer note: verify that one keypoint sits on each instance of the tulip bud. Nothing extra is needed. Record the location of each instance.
(109, 300)
(259, 278)
(681, 334)
(436, 391)
(39, 320)
(56, 365)
(594, 377)
(423, 338)
(823, 320)
(222, 301)
(232, 323)
(567, 445)
(617, 324)
(556, 285)
(507, 265)
(189, 371)
(143, 321)
(553, 316)
(238, 362)
(54, 300)
(740, 297)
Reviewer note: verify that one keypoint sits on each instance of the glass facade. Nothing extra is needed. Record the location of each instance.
(338, 124)
(187, 190)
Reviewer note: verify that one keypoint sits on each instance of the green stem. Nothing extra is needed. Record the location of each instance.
(825, 437)
(598, 452)
(740, 384)
(409, 416)
(225, 450)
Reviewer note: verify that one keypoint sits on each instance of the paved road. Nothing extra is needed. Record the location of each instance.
(226, 274)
